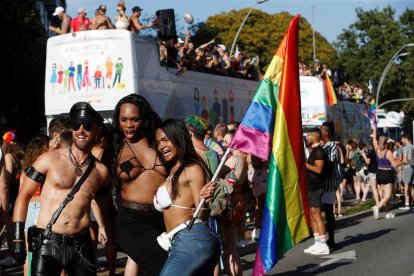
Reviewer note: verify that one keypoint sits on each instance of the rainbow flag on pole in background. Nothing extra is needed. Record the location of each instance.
(372, 112)
(272, 126)
(330, 91)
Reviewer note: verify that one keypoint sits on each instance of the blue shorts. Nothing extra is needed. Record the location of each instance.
(32, 214)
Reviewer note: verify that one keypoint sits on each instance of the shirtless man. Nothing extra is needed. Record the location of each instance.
(101, 21)
(65, 25)
(69, 246)
(135, 24)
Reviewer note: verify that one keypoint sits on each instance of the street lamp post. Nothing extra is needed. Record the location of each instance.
(242, 24)
(384, 73)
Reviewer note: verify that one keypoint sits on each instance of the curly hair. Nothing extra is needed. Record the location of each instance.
(36, 147)
(121, 4)
(150, 119)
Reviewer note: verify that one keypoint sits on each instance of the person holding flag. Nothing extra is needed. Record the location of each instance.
(195, 251)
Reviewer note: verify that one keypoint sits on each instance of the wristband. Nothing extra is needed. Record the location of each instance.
(18, 231)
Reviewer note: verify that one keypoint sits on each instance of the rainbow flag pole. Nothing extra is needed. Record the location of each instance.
(272, 129)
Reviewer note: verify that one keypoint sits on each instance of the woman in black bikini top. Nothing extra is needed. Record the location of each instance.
(126, 169)
(140, 172)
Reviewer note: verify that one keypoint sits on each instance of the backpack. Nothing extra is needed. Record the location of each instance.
(358, 162)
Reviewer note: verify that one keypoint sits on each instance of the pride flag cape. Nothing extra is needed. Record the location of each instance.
(330, 91)
(276, 107)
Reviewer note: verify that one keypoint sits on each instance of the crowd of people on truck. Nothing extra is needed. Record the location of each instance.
(344, 91)
(100, 21)
(174, 52)
(182, 54)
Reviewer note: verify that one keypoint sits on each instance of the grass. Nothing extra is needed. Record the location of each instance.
(359, 207)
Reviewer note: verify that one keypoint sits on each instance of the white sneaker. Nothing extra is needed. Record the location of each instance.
(389, 215)
(256, 234)
(405, 207)
(310, 248)
(375, 210)
(321, 249)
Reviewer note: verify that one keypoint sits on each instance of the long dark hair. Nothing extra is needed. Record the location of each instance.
(179, 136)
(150, 120)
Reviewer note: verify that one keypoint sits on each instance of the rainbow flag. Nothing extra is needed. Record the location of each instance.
(276, 107)
(372, 112)
(330, 91)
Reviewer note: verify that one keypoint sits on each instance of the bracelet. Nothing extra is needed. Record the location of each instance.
(18, 240)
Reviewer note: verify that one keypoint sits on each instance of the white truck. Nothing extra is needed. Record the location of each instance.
(102, 66)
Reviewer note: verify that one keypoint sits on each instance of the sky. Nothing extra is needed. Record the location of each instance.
(329, 17)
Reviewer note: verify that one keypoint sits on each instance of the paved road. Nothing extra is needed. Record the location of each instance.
(365, 247)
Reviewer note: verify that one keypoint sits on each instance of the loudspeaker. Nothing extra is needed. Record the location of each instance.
(166, 19)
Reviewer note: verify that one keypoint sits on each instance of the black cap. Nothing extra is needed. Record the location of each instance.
(102, 7)
(84, 112)
(136, 9)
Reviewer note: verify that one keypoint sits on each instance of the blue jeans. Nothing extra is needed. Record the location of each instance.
(193, 252)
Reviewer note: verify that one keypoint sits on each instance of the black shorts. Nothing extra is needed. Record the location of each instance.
(385, 177)
(314, 198)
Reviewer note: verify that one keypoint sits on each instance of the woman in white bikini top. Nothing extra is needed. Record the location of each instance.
(162, 199)
(121, 20)
(197, 249)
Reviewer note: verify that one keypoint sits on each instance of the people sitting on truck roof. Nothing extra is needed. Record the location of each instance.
(80, 22)
(65, 22)
(209, 58)
(101, 21)
(121, 20)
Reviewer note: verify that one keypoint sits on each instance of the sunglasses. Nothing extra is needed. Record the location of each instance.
(119, 10)
(86, 126)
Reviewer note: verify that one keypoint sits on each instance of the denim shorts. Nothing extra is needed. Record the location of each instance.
(32, 214)
(193, 252)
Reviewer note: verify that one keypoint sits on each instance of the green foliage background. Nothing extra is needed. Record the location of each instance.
(262, 34)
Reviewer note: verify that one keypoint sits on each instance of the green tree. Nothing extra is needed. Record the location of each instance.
(366, 47)
(261, 35)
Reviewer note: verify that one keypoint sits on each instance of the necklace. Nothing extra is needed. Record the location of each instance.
(78, 167)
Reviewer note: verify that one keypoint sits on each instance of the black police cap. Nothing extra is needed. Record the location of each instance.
(83, 111)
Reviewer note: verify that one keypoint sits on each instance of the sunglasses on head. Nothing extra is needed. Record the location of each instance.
(86, 126)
